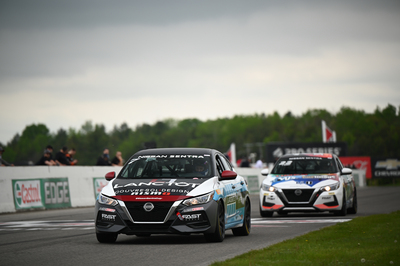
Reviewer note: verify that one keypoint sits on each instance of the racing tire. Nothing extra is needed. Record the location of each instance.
(245, 229)
(106, 237)
(219, 233)
(343, 210)
(353, 209)
(265, 214)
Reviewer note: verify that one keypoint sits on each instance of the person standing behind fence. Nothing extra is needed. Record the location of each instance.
(70, 156)
(104, 160)
(61, 159)
(46, 160)
(117, 160)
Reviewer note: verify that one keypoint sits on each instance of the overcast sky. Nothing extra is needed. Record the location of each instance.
(63, 63)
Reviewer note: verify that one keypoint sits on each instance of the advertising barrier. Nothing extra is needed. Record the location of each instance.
(41, 193)
(24, 188)
(274, 150)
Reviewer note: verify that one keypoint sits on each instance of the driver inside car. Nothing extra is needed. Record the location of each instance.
(201, 167)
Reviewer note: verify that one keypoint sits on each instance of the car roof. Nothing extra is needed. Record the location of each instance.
(321, 155)
(176, 151)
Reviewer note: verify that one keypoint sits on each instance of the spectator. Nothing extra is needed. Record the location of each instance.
(117, 161)
(104, 159)
(2, 161)
(70, 156)
(50, 149)
(245, 162)
(46, 160)
(259, 164)
(61, 158)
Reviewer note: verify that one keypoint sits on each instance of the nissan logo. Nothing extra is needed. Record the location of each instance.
(297, 192)
(148, 206)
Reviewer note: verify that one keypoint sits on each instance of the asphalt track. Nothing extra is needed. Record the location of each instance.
(66, 237)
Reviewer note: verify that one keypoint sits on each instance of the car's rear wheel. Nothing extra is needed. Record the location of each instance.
(353, 209)
(106, 237)
(245, 229)
(343, 210)
(265, 213)
(219, 233)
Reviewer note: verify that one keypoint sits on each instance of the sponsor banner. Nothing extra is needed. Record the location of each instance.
(362, 163)
(27, 194)
(385, 168)
(276, 150)
(56, 193)
(41, 193)
(98, 184)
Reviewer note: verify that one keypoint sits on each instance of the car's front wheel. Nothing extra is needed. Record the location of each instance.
(106, 237)
(245, 229)
(219, 234)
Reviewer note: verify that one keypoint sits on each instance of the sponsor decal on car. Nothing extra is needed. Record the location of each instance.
(108, 217)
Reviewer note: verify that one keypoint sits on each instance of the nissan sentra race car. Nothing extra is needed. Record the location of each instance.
(174, 191)
(308, 182)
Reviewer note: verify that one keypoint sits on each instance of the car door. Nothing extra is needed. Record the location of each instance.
(232, 189)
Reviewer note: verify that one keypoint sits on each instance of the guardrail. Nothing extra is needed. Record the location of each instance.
(24, 188)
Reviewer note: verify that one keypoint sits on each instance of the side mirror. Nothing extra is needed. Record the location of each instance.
(110, 176)
(228, 175)
(264, 172)
(346, 171)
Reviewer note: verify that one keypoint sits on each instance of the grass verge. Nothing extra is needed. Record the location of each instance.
(371, 240)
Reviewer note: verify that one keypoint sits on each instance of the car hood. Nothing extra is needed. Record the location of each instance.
(312, 180)
(166, 189)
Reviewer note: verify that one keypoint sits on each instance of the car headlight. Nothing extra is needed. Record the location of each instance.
(199, 200)
(107, 201)
(331, 187)
(268, 188)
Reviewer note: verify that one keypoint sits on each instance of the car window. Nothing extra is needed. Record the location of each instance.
(304, 165)
(339, 163)
(158, 166)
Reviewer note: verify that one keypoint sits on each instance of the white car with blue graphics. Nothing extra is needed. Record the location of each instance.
(308, 183)
(174, 191)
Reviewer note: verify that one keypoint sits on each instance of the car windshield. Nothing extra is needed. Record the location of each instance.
(183, 166)
(304, 165)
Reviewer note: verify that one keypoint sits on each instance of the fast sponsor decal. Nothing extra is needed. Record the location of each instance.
(108, 217)
(191, 217)
(27, 194)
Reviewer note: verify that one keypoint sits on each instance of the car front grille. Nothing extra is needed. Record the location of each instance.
(298, 195)
(157, 214)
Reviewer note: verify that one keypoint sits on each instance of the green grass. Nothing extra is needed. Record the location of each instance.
(371, 240)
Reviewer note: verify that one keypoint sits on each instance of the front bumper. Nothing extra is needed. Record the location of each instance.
(166, 218)
(300, 200)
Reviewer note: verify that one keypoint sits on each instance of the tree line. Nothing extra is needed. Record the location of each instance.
(374, 134)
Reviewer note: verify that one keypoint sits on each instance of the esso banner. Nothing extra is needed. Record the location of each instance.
(41, 193)
(362, 163)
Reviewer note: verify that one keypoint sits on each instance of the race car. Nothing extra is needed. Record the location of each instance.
(174, 191)
(308, 183)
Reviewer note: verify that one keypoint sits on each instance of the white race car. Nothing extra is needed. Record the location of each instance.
(308, 182)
